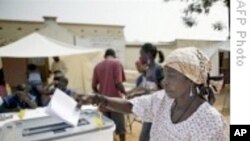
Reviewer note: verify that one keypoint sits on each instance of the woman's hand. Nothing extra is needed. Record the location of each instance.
(95, 99)
(82, 100)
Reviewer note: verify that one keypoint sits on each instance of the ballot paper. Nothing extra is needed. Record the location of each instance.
(64, 107)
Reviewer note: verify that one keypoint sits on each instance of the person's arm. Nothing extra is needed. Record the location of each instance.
(133, 91)
(47, 90)
(142, 106)
(47, 87)
(114, 104)
(95, 89)
(32, 104)
(121, 88)
(119, 105)
(137, 91)
(73, 94)
(95, 81)
(119, 77)
(30, 101)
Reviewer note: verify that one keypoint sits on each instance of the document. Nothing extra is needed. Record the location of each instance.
(64, 107)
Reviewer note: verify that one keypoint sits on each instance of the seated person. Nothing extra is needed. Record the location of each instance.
(60, 83)
(21, 99)
(44, 91)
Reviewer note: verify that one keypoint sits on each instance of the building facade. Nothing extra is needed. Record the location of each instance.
(80, 35)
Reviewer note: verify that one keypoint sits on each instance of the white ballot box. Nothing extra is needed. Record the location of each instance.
(44, 127)
(63, 106)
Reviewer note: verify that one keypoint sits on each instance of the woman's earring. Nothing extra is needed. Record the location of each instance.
(197, 90)
(191, 93)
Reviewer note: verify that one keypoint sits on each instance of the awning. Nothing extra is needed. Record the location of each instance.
(37, 45)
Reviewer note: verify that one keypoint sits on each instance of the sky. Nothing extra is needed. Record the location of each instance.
(144, 20)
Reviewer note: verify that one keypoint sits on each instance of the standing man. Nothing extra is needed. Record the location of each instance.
(58, 65)
(107, 80)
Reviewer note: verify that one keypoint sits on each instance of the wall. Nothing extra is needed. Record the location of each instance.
(90, 35)
(11, 31)
(101, 37)
(14, 76)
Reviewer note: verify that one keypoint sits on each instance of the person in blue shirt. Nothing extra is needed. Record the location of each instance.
(151, 72)
(151, 78)
(20, 99)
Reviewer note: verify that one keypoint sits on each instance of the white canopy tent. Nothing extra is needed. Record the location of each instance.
(79, 60)
(37, 45)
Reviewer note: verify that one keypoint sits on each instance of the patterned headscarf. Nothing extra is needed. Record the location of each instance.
(191, 62)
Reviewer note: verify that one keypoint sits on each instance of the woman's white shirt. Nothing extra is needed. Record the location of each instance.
(205, 124)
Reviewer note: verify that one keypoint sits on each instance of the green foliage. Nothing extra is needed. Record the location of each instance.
(200, 7)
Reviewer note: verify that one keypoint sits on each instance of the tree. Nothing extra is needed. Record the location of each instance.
(202, 7)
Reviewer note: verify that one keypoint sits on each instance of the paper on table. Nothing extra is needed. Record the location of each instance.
(64, 107)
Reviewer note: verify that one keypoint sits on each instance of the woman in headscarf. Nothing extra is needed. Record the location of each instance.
(179, 112)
